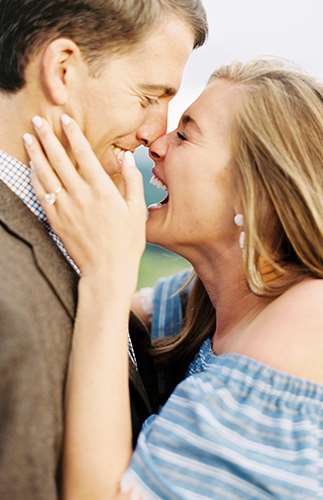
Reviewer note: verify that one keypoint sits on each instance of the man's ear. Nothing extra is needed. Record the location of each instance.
(60, 63)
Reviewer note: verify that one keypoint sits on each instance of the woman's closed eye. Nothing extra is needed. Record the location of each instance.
(181, 136)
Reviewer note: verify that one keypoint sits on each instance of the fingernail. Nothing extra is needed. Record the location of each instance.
(66, 119)
(37, 121)
(28, 139)
(129, 159)
(31, 165)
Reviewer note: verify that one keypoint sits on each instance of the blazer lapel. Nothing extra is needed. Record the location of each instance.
(48, 258)
(21, 222)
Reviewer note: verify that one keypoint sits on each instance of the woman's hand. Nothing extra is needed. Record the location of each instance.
(103, 231)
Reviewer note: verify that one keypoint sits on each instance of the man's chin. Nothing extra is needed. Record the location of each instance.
(109, 162)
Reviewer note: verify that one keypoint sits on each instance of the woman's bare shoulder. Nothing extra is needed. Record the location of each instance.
(288, 334)
(302, 305)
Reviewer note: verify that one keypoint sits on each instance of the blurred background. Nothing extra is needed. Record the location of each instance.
(239, 30)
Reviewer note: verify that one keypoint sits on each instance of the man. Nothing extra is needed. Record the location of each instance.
(114, 66)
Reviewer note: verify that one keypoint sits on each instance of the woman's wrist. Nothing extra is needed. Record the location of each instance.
(99, 289)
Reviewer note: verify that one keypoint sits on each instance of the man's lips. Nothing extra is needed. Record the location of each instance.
(119, 149)
(118, 154)
(126, 147)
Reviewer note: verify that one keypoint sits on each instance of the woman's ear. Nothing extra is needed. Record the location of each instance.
(61, 63)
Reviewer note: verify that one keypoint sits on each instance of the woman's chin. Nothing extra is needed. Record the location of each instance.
(157, 234)
(159, 227)
(156, 239)
(157, 222)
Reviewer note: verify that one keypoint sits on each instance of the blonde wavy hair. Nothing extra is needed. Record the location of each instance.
(277, 142)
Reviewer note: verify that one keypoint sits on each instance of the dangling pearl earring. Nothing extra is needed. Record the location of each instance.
(239, 221)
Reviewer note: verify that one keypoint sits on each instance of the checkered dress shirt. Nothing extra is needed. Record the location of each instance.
(18, 179)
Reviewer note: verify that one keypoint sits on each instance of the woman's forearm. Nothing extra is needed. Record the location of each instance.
(104, 232)
(98, 420)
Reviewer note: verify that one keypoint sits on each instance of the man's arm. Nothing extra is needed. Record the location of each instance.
(28, 449)
(142, 305)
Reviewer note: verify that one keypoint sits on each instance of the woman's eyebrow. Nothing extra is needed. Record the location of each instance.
(162, 90)
(189, 120)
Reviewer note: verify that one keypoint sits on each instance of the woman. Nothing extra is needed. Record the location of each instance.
(245, 202)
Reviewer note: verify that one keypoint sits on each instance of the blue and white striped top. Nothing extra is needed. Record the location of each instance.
(167, 315)
(233, 429)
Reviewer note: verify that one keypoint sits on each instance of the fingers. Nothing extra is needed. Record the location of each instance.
(54, 169)
(47, 199)
(58, 160)
(89, 166)
(37, 187)
(47, 178)
(133, 180)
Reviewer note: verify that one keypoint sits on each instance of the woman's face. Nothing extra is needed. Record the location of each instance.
(194, 163)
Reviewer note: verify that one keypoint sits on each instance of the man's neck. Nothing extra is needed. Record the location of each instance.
(15, 122)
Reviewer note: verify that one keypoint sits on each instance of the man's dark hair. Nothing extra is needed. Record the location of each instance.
(94, 25)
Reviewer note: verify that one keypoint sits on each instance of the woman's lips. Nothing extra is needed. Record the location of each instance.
(158, 183)
(159, 179)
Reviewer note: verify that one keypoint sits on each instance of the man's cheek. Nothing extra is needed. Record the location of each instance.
(131, 119)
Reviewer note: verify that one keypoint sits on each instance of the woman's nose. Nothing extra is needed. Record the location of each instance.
(158, 149)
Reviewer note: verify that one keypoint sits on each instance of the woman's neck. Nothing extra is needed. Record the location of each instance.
(221, 273)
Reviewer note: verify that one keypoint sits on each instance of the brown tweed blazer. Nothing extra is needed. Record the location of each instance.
(38, 293)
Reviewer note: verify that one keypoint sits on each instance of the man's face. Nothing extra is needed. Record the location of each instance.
(127, 105)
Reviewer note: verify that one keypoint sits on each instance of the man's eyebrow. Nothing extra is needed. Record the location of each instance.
(189, 120)
(163, 90)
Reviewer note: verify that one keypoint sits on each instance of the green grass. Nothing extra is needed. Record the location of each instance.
(158, 262)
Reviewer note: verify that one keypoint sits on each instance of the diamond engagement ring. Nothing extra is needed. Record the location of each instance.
(51, 198)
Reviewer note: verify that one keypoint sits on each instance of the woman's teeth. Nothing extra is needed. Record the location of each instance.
(160, 185)
(157, 183)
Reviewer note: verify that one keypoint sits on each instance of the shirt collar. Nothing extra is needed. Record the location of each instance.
(17, 177)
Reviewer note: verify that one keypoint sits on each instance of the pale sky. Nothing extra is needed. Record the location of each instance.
(245, 29)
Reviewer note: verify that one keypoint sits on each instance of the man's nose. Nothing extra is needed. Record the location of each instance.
(154, 126)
